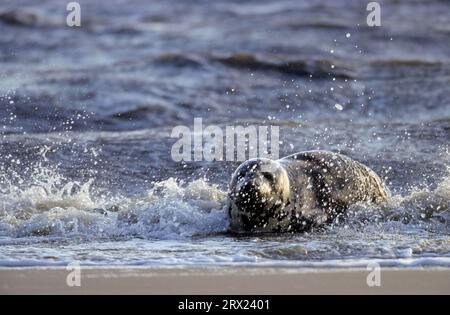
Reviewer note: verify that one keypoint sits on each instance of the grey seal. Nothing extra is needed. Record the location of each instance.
(299, 192)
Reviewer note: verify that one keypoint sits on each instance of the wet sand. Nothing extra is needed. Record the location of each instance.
(223, 281)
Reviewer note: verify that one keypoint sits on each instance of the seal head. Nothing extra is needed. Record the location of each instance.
(258, 191)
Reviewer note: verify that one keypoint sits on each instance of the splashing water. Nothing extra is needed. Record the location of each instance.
(179, 222)
(423, 208)
(172, 209)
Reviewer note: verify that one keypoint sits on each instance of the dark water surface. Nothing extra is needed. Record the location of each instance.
(86, 113)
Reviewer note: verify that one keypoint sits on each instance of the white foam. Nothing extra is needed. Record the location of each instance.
(172, 209)
(420, 209)
(49, 205)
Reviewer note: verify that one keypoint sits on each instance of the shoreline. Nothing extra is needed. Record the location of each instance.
(223, 281)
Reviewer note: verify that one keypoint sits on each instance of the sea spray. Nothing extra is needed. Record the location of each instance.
(51, 206)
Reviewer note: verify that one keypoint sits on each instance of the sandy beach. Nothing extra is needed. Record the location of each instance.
(223, 281)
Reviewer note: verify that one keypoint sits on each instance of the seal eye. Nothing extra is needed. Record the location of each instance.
(269, 177)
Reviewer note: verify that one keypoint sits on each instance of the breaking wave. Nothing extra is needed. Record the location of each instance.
(50, 206)
(423, 209)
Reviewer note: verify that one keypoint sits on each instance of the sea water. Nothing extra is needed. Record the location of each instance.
(86, 114)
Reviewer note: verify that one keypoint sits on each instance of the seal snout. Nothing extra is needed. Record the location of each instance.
(259, 189)
(249, 190)
(249, 183)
